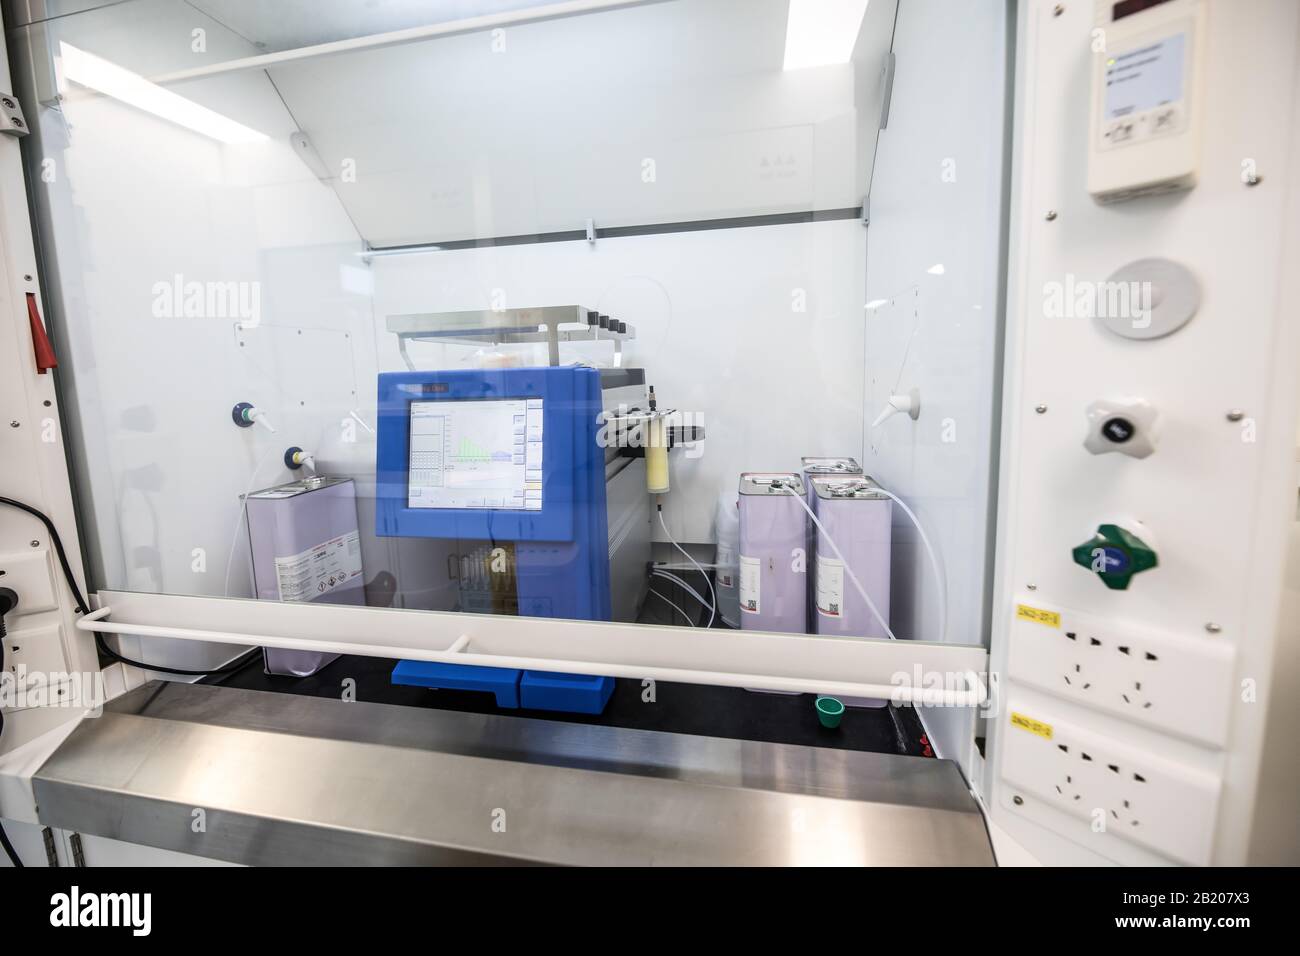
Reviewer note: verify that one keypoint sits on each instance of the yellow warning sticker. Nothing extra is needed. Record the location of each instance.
(1026, 613)
(1031, 725)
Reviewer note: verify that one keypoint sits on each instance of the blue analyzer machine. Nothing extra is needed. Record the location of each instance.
(508, 462)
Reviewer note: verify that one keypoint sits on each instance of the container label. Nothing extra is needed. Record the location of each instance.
(726, 566)
(751, 570)
(1031, 725)
(1036, 614)
(326, 567)
(830, 587)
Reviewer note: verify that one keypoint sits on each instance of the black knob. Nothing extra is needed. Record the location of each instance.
(1118, 430)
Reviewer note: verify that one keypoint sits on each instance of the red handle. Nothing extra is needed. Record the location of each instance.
(45, 359)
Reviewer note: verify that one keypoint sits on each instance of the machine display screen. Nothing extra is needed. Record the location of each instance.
(1144, 78)
(477, 453)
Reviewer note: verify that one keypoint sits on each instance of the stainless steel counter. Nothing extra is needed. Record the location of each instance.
(286, 779)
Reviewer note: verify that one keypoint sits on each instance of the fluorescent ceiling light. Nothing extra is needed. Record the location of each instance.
(91, 71)
(411, 250)
(936, 269)
(875, 303)
(822, 32)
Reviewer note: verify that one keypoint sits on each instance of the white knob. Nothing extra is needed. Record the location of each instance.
(1125, 425)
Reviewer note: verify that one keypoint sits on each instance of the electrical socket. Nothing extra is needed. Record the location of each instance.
(1182, 685)
(36, 655)
(1119, 792)
(29, 574)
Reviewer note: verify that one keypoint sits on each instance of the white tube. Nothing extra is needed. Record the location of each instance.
(940, 578)
(713, 596)
(668, 576)
(848, 568)
(673, 606)
(301, 457)
(258, 416)
(683, 584)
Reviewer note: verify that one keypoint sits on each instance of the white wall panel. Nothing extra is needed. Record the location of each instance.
(932, 284)
(933, 325)
(1217, 496)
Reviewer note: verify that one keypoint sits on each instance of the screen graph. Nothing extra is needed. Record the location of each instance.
(476, 454)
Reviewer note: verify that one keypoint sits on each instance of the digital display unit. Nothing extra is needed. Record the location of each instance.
(476, 453)
(1146, 77)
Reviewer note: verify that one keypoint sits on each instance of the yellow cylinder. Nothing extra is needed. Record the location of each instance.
(656, 457)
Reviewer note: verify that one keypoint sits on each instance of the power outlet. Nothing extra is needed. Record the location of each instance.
(29, 574)
(35, 660)
(1182, 685)
(1118, 792)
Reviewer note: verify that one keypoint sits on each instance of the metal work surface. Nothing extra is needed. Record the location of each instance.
(288, 779)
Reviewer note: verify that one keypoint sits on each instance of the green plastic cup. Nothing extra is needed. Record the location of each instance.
(829, 712)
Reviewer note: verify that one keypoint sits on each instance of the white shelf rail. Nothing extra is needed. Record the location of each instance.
(912, 672)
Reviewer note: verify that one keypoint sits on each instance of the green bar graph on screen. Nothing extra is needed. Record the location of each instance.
(468, 450)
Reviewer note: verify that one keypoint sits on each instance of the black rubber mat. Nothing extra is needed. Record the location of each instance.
(674, 708)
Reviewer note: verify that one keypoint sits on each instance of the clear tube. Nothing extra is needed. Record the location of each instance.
(681, 583)
(940, 580)
(673, 606)
(848, 568)
(712, 594)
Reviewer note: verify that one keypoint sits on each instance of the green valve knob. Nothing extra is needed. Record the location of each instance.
(1115, 554)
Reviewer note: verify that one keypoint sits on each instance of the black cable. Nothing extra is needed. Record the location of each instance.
(82, 608)
(8, 600)
(240, 663)
(10, 852)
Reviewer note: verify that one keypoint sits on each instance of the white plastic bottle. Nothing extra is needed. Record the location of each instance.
(726, 529)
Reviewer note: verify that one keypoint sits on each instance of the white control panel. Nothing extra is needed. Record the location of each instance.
(1146, 70)
(1144, 628)
(1180, 684)
(1113, 792)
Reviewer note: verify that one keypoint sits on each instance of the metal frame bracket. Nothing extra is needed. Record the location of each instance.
(12, 120)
